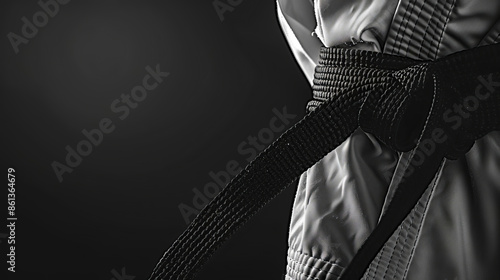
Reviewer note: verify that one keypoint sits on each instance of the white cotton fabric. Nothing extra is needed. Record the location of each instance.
(340, 199)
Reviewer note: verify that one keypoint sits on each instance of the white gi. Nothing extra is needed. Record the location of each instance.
(454, 231)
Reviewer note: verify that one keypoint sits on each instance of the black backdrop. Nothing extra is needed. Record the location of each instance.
(119, 207)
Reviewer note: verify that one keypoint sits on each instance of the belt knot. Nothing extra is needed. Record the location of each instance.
(403, 101)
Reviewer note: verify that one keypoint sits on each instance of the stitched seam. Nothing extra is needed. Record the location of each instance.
(300, 262)
(391, 36)
(393, 250)
(419, 52)
(368, 271)
(437, 24)
(491, 34)
(312, 273)
(399, 35)
(436, 180)
(450, 10)
(405, 166)
(378, 262)
(406, 10)
(433, 23)
(408, 161)
(415, 24)
(404, 243)
(301, 273)
(312, 257)
(400, 24)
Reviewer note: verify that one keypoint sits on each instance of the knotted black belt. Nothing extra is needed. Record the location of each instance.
(439, 107)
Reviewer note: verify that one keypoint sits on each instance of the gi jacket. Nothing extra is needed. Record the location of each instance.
(453, 232)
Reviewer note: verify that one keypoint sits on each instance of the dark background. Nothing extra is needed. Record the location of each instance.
(119, 207)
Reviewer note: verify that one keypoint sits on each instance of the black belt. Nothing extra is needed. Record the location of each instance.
(403, 102)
